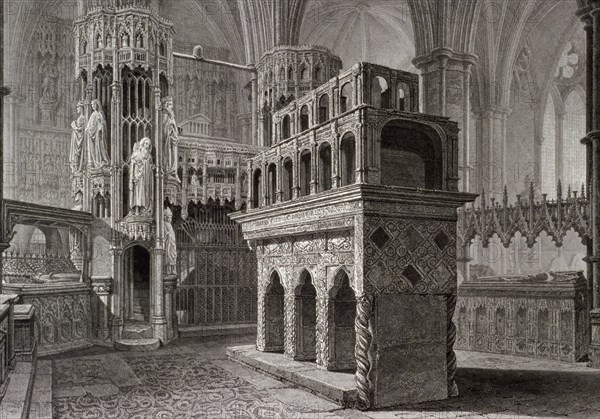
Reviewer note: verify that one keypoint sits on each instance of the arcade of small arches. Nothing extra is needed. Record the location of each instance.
(330, 164)
(317, 112)
(302, 299)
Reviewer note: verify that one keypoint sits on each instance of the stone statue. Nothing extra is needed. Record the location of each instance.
(170, 137)
(141, 178)
(49, 94)
(78, 201)
(170, 244)
(96, 132)
(77, 141)
(220, 108)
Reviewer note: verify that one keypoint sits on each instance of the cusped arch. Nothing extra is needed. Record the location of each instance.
(338, 278)
(144, 245)
(304, 278)
(274, 275)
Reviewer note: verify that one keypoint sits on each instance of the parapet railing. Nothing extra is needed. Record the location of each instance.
(528, 216)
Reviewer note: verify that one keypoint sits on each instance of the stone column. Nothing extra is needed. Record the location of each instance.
(558, 137)
(314, 170)
(279, 174)
(590, 14)
(116, 302)
(358, 155)
(290, 324)
(170, 288)
(11, 149)
(184, 190)
(101, 306)
(446, 84)
(4, 241)
(250, 180)
(296, 173)
(204, 199)
(492, 163)
(238, 187)
(118, 207)
(76, 247)
(159, 322)
(587, 142)
(335, 160)
(254, 140)
(264, 185)
(261, 129)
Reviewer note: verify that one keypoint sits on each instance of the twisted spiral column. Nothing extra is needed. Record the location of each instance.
(451, 338)
(361, 351)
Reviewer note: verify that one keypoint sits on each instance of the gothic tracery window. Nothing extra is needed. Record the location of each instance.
(562, 154)
(573, 150)
(548, 146)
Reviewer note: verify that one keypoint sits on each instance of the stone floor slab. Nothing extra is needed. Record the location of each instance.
(194, 377)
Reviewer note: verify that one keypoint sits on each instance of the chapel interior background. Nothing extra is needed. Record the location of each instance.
(519, 101)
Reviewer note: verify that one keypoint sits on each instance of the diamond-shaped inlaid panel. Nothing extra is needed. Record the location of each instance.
(441, 240)
(409, 256)
(411, 238)
(380, 238)
(412, 275)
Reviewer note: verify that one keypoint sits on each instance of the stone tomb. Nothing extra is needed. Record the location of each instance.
(357, 271)
(542, 316)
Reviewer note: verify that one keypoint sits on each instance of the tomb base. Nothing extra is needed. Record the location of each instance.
(338, 387)
(594, 350)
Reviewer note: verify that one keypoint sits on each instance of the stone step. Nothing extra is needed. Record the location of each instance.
(41, 398)
(137, 331)
(17, 398)
(338, 387)
(137, 345)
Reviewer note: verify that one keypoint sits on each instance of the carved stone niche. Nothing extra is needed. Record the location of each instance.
(138, 227)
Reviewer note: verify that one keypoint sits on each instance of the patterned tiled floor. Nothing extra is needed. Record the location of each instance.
(193, 378)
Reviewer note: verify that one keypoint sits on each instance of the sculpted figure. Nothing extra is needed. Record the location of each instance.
(141, 178)
(77, 141)
(96, 132)
(170, 137)
(49, 93)
(170, 243)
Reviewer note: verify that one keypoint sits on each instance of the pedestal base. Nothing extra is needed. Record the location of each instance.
(336, 386)
(159, 326)
(409, 350)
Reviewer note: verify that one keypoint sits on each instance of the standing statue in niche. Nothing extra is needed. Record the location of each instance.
(170, 244)
(220, 108)
(96, 132)
(141, 180)
(77, 141)
(170, 137)
(49, 93)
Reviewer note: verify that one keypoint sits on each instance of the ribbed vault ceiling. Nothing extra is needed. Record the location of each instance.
(379, 31)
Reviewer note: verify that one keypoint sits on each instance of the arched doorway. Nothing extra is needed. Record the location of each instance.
(341, 324)
(274, 314)
(137, 283)
(306, 319)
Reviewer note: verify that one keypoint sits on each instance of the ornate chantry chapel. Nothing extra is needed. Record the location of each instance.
(300, 208)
